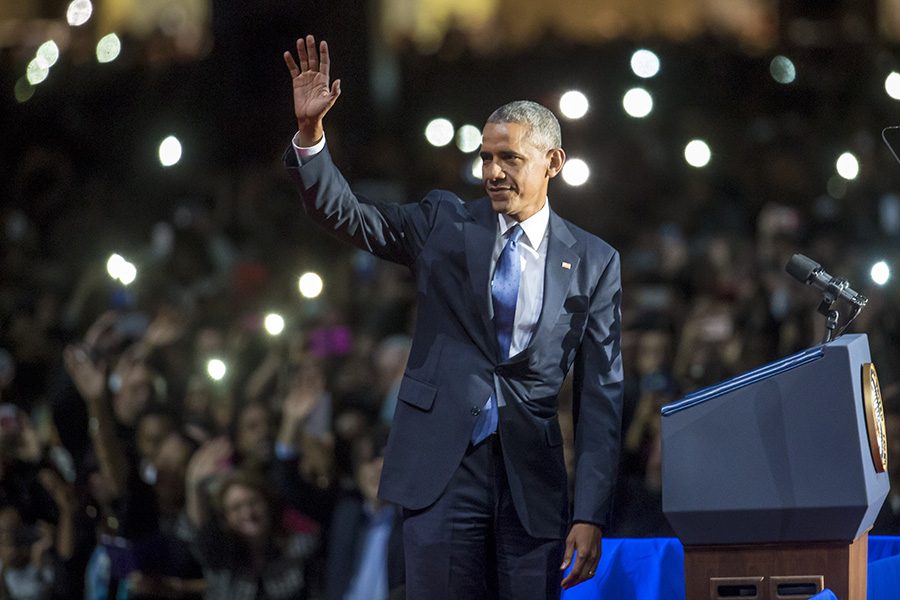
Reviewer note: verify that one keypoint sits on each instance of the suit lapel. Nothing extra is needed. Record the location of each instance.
(480, 236)
(557, 278)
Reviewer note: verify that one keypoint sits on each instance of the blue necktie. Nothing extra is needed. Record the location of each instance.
(504, 293)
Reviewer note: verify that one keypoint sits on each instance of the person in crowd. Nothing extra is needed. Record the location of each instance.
(475, 437)
(241, 541)
(365, 542)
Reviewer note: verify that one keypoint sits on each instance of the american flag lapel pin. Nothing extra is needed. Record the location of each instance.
(566, 265)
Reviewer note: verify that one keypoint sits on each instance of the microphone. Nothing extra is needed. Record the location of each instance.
(806, 270)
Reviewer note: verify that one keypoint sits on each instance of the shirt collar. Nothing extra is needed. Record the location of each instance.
(534, 227)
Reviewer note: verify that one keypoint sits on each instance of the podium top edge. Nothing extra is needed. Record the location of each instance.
(762, 373)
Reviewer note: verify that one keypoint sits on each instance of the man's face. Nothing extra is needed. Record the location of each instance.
(515, 171)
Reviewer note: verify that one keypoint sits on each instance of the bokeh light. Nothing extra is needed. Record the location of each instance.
(108, 48)
(575, 172)
(35, 72)
(468, 138)
(847, 166)
(638, 103)
(644, 63)
(169, 151)
(474, 175)
(439, 132)
(697, 153)
(47, 54)
(274, 324)
(310, 285)
(120, 269)
(79, 12)
(782, 70)
(892, 85)
(216, 369)
(23, 90)
(573, 104)
(880, 273)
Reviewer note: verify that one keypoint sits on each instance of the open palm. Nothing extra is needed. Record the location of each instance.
(313, 95)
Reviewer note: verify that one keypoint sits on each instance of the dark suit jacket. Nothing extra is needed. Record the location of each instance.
(454, 362)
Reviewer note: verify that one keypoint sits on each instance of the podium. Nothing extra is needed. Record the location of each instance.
(772, 479)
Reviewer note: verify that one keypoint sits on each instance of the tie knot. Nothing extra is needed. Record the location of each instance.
(515, 233)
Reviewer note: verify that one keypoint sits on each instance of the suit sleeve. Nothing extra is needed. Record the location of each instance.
(390, 231)
(597, 400)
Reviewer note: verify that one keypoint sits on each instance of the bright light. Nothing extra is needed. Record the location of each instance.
(638, 102)
(310, 285)
(782, 69)
(47, 54)
(697, 153)
(169, 151)
(468, 138)
(573, 104)
(880, 273)
(36, 72)
(114, 265)
(216, 369)
(475, 169)
(79, 12)
(645, 63)
(127, 273)
(439, 132)
(274, 323)
(575, 172)
(847, 166)
(121, 269)
(892, 85)
(108, 48)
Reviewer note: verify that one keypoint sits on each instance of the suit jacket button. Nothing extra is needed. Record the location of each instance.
(476, 411)
(499, 370)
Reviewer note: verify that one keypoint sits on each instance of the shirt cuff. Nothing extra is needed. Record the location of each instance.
(304, 154)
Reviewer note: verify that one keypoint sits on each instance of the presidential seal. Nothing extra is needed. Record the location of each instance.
(874, 417)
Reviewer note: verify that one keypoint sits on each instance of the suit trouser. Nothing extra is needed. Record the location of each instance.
(470, 543)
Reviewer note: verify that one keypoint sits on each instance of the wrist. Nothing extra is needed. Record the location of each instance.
(310, 132)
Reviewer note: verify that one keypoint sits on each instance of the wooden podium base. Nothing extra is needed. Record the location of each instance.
(777, 571)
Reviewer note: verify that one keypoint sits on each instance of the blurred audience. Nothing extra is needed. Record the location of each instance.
(130, 468)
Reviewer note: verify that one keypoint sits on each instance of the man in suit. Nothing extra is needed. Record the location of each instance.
(510, 297)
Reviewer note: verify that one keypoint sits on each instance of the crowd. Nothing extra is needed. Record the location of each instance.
(126, 471)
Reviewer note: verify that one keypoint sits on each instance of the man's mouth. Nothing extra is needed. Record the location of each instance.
(499, 188)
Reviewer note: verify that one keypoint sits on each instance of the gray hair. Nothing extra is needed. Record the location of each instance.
(543, 126)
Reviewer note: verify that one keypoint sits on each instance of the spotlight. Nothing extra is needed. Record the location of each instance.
(637, 102)
(644, 63)
(274, 324)
(697, 153)
(439, 132)
(310, 285)
(847, 166)
(573, 105)
(575, 172)
(880, 273)
(169, 151)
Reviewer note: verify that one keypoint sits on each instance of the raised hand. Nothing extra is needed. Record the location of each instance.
(89, 377)
(313, 94)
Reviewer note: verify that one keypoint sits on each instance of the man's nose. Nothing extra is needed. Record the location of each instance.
(492, 171)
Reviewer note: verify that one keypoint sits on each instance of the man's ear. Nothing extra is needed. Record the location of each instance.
(557, 160)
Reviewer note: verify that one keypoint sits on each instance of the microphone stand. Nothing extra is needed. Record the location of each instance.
(826, 307)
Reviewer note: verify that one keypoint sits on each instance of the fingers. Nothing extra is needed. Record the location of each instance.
(324, 59)
(291, 65)
(567, 557)
(301, 52)
(312, 55)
